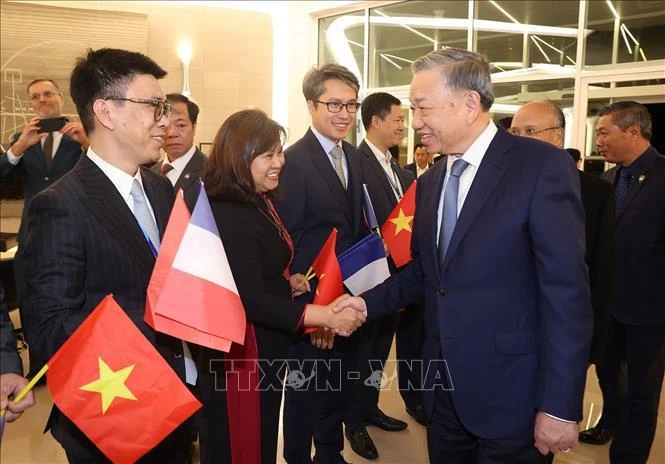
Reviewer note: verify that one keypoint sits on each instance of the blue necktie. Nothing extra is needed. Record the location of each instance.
(621, 189)
(149, 226)
(449, 218)
(143, 215)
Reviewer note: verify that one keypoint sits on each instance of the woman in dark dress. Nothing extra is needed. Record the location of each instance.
(241, 177)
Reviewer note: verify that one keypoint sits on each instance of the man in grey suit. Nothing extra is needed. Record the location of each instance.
(184, 164)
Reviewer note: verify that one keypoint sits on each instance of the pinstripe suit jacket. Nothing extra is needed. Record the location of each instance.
(83, 243)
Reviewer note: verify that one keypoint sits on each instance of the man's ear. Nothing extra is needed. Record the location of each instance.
(103, 113)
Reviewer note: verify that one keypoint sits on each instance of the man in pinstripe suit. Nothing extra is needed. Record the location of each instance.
(96, 230)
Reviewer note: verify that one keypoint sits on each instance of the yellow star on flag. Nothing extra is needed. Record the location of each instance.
(110, 384)
(320, 279)
(402, 222)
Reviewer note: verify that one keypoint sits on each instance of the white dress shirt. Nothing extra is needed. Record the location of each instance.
(57, 138)
(384, 160)
(178, 165)
(474, 156)
(420, 172)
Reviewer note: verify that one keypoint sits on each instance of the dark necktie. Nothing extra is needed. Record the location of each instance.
(449, 215)
(48, 150)
(166, 167)
(621, 189)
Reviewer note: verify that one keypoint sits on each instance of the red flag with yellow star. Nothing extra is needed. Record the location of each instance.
(396, 231)
(112, 383)
(326, 268)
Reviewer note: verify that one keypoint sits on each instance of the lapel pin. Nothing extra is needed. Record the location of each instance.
(642, 178)
(187, 176)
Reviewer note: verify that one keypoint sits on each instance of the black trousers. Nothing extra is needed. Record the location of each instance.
(409, 340)
(375, 340)
(449, 442)
(631, 379)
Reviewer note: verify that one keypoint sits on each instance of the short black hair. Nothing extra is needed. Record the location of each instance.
(106, 73)
(575, 153)
(419, 145)
(192, 108)
(377, 104)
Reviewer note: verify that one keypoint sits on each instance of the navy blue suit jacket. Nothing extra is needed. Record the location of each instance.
(509, 310)
(36, 175)
(639, 252)
(313, 200)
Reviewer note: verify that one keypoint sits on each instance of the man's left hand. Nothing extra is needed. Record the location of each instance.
(553, 435)
(74, 130)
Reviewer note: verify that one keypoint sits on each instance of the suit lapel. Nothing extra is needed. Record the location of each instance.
(161, 206)
(490, 171)
(105, 203)
(355, 188)
(638, 181)
(190, 174)
(65, 148)
(378, 171)
(430, 204)
(322, 162)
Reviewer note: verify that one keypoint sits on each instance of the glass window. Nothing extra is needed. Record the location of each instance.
(551, 40)
(639, 31)
(401, 33)
(341, 41)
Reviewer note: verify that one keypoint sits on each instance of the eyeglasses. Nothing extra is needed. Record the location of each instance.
(48, 95)
(529, 131)
(162, 107)
(336, 107)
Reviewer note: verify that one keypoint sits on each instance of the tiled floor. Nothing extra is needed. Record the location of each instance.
(24, 442)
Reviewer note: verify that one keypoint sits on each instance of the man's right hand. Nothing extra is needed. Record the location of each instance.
(28, 138)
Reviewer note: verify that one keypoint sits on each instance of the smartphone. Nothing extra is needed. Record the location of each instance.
(52, 124)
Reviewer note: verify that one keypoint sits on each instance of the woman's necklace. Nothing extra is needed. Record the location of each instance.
(275, 220)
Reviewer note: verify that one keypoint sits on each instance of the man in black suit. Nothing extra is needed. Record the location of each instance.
(40, 159)
(544, 120)
(321, 189)
(386, 182)
(96, 231)
(184, 164)
(11, 368)
(631, 376)
(421, 162)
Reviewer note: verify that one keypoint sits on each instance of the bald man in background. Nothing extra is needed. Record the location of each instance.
(544, 120)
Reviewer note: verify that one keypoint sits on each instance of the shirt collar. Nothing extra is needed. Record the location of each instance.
(120, 179)
(179, 164)
(382, 157)
(475, 153)
(326, 143)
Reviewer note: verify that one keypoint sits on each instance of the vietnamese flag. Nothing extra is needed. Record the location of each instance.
(327, 270)
(192, 294)
(112, 383)
(397, 229)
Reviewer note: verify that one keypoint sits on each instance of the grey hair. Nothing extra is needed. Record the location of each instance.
(313, 85)
(460, 70)
(625, 114)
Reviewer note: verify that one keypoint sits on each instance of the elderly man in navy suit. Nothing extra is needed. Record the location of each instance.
(498, 255)
(631, 376)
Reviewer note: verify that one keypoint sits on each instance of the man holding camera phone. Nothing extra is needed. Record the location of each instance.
(49, 146)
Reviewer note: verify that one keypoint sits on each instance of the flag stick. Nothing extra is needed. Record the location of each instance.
(28, 387)
(310, 273)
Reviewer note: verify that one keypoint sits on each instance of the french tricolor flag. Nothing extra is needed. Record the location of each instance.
(364, 265)
(192, 294)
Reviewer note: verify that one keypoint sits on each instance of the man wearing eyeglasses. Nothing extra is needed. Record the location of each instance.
(321, 189)
(544, 120)
(97, 231)
(40, 159)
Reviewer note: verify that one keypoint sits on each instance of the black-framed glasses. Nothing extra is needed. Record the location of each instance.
(162, 107)
(336, 107)
(530, 131)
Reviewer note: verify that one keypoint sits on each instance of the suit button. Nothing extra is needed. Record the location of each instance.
(177, 355)
(46, 178)
(441, 291)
